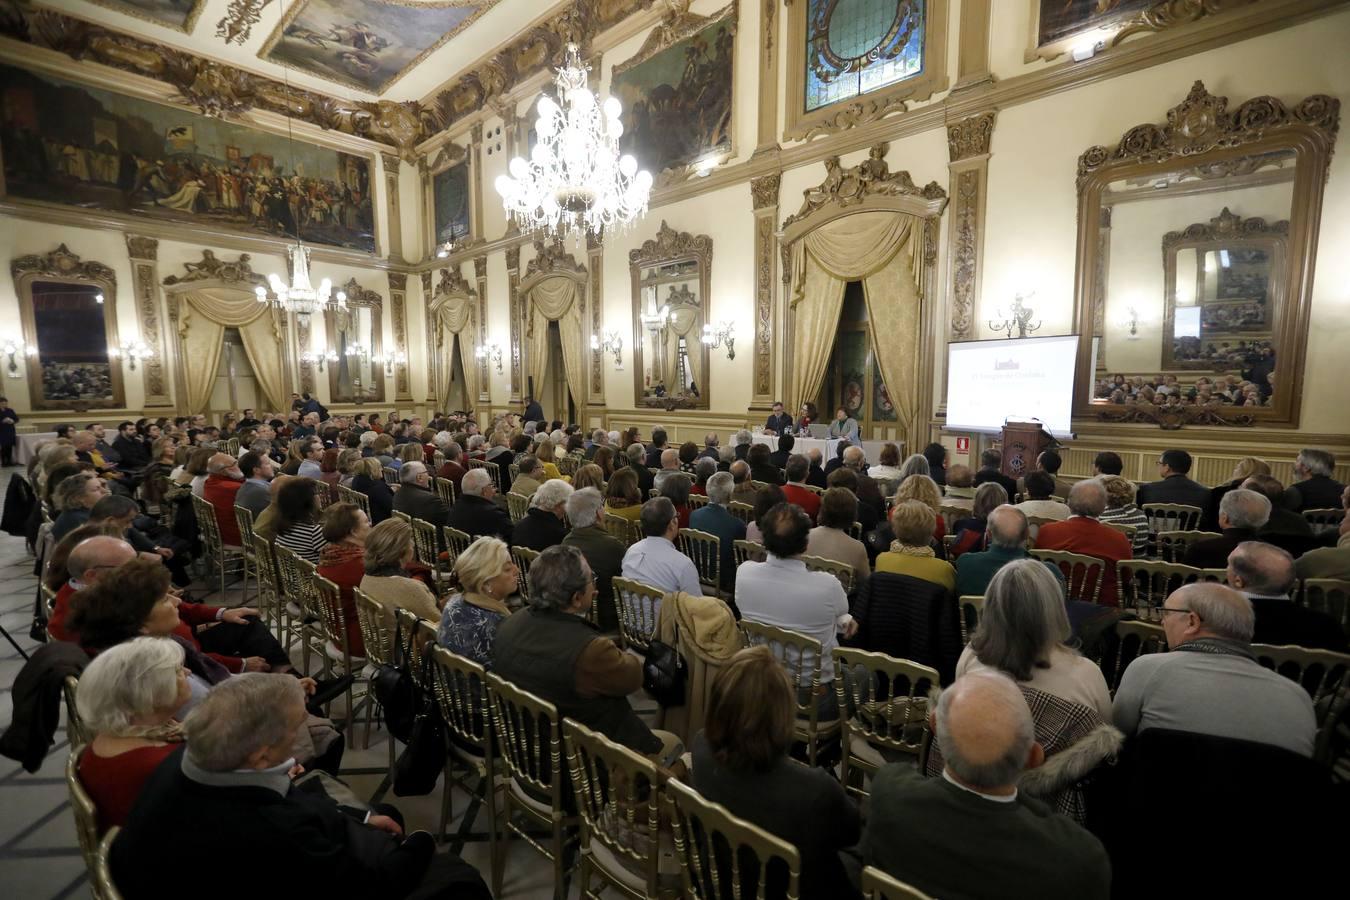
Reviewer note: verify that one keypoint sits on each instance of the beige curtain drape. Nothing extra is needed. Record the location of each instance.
(458, 326)
(557, 299)
(683, 322)
(205, 315)
(878, 248)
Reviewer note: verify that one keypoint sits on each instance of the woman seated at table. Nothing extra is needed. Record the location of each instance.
(127, 699)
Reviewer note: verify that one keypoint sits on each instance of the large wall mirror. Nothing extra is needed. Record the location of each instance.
(354, 338)
(70, 317)
(671, 277)
(1196, 248)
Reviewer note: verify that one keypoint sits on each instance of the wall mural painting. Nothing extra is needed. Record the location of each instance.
(854, 47)
(450, 189)
(80, 146)
(366, 44)
(1061, 19)
(677, 104)
(179, 15)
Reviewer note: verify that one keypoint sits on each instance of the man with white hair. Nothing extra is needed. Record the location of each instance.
(1242, 513)
(815, 476)
(1317, 490)
(223, 481)
(1209, 682)
(741, 443)
(670, 468)
(1265, 575)
(599, 438)
(474, 512)
(1082, 533)
(603, 551)
(452, 468)
(230, 785)
(544, 524)
(714, 518)
(710, 446)
(637, 461)
(868, 492)
(972, 833)
(475, 446)
(416, 498)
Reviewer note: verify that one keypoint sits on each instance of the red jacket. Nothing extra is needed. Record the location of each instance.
(453, 471)
(1080, 534)
(219, 491)
(344, 565)
(807, 500)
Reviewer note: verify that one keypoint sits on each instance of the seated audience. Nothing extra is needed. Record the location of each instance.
(297, 519)
(545, 522)
(795, 490)
(452, 468)
(1175, 486)
(416, 498)
(604, 461)
(782, 592)
(1285, 528)
(1082, 533)
(77, 562)
(970, 531)
(657, 448)
(960, 487)
(1264, 574)
(1050, 462)
(310, 453)
(655, 560)
(388, 554)
(589, 476)
(766, 499)
(528, 476)
(911, 552)
(621, 495)
(127, 699)
(1209, 682)
(815, 475)
(255, 493)
(778, 458)
(1244, 469)
(604, 552)
(1330, 562)
(714, 518)
(329, 473)
(232, 787)
(637, 462)
(548, 459)
(1242, 513)
(936, 454)
(831, 539)
(223, 481)
(867, 490)
(971, 832)
(919, 486)
(1008, 533)
(483, 578)
(551, 650)
(761, 469)
(1121, 510)
(991, 469)
(342, 561)
(688, 452)
(1317, 489)
(75, 497)
(1039, 486)
(742, 485)
(888, 465)
(369, 480)
(676, 490)
(741, 761)
(475, 513)
(1107, 462)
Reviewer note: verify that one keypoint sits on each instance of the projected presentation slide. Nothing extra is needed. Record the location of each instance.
(989, 382)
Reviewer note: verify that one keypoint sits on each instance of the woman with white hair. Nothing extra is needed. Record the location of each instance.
(127, 698)
(545, 522)
(483, 577)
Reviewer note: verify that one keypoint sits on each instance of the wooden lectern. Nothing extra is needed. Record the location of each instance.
(1022, 443)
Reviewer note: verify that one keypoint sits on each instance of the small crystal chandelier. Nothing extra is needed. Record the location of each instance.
(299, 296)
(575, 180)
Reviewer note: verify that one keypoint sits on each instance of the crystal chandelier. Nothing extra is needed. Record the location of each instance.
(300, 296)
(575, 180)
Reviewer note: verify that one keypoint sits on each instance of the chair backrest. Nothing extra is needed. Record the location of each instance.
(86, 815)
(841, 570)
(637, 605)
(517, 504)
(1082, 573)
(800, 654)
(653, 493)
(1323, 520)
(264, 553)
(375, 631)
(725, 856)
(456, 542)
(460, 686)
(104, 889)
(232, 447)
(243, 517)
(1172, 545)
(207, 526)
(402, 516)
(620, 528)
(1320, 672)
(445, 489)
(411, 645)
(528, 730)
(347, 495)
(523, 557)
(1127, 530)
(1172, 517)
(697, 501)
(424, 544)
(76, 731)
(390, 475)
(288, 573)
(567, 465)
(1134, 639)
(855, 531)
(743, 511)
(324, 492)
(952, 514)
(619, 799)
(877, 885)
(1331, 596)
(706, 551)
(969, 607)
(752, 551)
(514, 470)
(484, 464)
(888, 698)
(332, 615)
(1145, 583)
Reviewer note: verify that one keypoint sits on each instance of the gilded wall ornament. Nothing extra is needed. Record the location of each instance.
(853, 114)
(764, 190)
(61, 263)
(209, 268)
(671, 244)
(236, 26)
(552, 257)
(970, 137)
(846, 187)
(1171, 13)
(965, 251)
(453, 282)
(1226, 224)
(142, 247)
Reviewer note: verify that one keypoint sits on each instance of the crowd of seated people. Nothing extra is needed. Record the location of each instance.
(1252, 388)
(1025, 712)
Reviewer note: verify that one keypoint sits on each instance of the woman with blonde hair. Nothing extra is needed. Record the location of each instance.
(388, 553)
(1120, 510)
(368, 479)
(484, 577)
(411, 452)
(1246, 467)
(547, 457)
(346, 465)
(194, 471)
(589, 475)
(912, 553)
(926, 491)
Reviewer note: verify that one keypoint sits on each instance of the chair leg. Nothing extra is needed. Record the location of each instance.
(447, 801)
(489, 789)
(559, 867)
(500, 863)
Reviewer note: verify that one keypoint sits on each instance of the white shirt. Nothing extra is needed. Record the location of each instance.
(784, 594)
(309, 469)
(657, 562)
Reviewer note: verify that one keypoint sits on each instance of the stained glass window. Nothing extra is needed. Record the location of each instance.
(854, 47)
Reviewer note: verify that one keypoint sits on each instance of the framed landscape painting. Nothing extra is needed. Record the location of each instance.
(451, 201)
(72, 145)
(1057, 24)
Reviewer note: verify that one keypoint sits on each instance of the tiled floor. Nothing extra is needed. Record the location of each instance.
(39, 854)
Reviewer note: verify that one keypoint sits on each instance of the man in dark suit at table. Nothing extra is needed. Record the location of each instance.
(779, 422)
(1175, 486)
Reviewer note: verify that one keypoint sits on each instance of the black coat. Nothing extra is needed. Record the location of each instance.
(134, 454)
(1280, 621)
(816, 476)
(476, 516)
(37, 697)
(994, 475)
(1318, 492)
(539, 530)
(1174, 489)
(646, 480)
(909, 618)
(421, 503)
(8, 434)
(378, 493)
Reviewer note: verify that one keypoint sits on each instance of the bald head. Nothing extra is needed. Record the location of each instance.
(670, 458)
(1007, 527)
(83, 441)
(854, 457)
(1255, 567)
(1087, 498)
(220, 463)
(1221, 611)
(740, 471)
(92, 557)
(985, 730)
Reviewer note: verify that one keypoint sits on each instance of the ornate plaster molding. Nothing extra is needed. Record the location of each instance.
(236, 26)
(677, 24)
(851, 186)
(855, 113)
(970, 137)
(61, 263)
(454, 283)
(669, 245)
(764, 191)
(1226, 225)
(209, 268)
(552, 258)
(359, 296)
(1170, 13)
(142, 247)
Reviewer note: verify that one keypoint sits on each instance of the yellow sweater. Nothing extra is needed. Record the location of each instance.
(929, 568)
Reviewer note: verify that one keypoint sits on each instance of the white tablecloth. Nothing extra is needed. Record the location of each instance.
(28, 443)
(827, 446)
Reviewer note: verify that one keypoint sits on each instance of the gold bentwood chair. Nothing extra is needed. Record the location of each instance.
(801, 656)
(637, 605)
(877, 885)
(724, 856)
(1082, 573)
(460, 686)
(705, 550)
(888, 699)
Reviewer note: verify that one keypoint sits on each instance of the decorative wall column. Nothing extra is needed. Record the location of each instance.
(764, 198)
(302, 347)
(476, 182)
(480, 276)
(972, 53)
(595, 259)
(429, 327)
(144, 252)
(968, 147)
(1099, 285)
(766, 135)
(513, 287)
(398, 310)
(391, 164)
